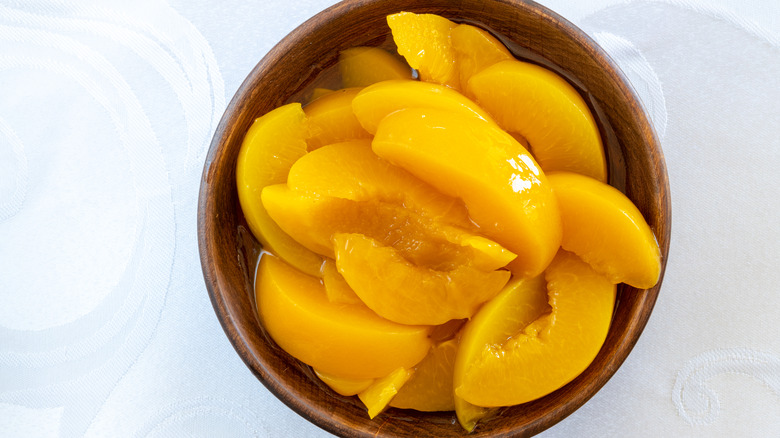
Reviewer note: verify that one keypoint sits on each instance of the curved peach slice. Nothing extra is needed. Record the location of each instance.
(343, 385)
(301, 215)
(377, 396)
(552, 350)
(543, 107)
(520, 302)
(312, 220)
(424, 40)
(505, 192)
(487, 254)
(336, 288)
(604, 228)
(363, 66)
(402, 292)
(272, 144)
(351, 170)
(343, 340)
(331, 119)
(430, 388)
(475, 50)
(374, 102)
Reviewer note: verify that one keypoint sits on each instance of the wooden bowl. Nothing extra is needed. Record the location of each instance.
(287, 73)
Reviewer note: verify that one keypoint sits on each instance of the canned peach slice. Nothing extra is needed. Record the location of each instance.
(272, 144)
(606, 229)
(338, 339)
(540, 105)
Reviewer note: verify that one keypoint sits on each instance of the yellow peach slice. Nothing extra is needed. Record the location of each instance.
(338, 339)
(487, 254)
(313, 219)
(374, 102)
(336, 288)
(543, 107)
(424, 40)
(506, 193)
(408, 294)
(552, 350)
(520, 302)
(475, 50)
(304, 216)
(343, 385)
(604, 228)
(363, 66)
(272, 144)
(430, 388)
(377, 396)
(351, 170)
(331, 119)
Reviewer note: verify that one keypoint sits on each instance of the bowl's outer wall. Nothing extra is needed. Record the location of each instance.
(227, 250)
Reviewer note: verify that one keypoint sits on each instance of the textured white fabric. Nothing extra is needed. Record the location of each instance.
(106, 113)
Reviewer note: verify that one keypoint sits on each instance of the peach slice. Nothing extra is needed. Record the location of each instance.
(272, 144)
(303, 216)
(336, 288)
(430, 388)
(506, 193)
(549, 352)
(331, 119)
(363, 66)
(475, 50)
(344, 386)
(604, 228)
(338, 339)
(540, 105)
(377, 396)
(374, 102)
(424, 40)
(487, 255)
(520, 302)
(408, 294)
(312, 220)
(351, 170)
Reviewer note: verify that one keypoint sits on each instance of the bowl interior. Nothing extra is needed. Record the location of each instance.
(305, 58)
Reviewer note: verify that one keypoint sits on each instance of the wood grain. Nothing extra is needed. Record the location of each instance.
(228, 251)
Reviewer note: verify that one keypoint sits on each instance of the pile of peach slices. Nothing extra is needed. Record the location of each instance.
(441, 243)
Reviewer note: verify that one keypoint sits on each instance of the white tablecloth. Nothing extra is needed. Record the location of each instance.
(107, 110)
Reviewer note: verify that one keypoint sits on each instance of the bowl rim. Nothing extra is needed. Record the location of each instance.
(317, 21)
